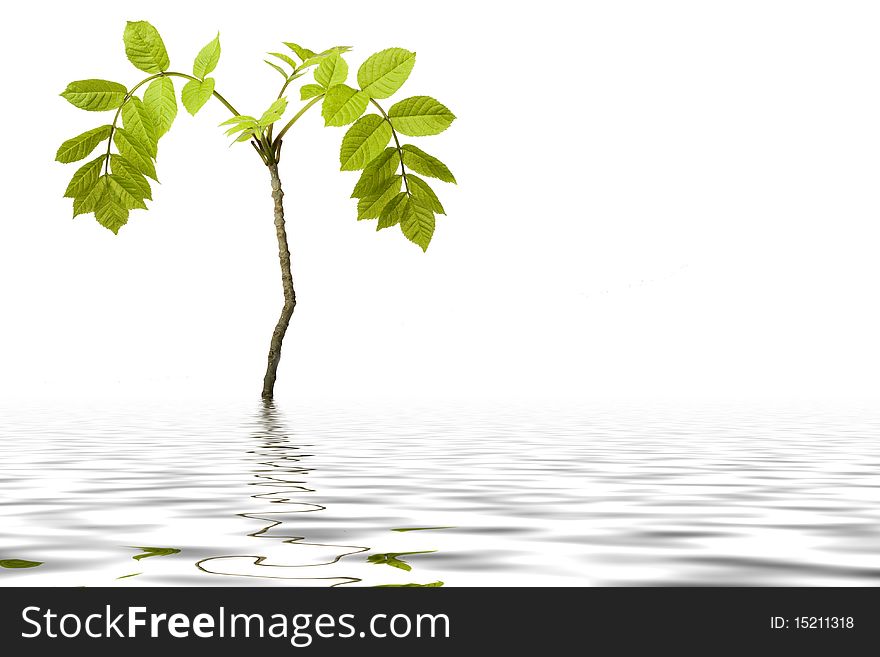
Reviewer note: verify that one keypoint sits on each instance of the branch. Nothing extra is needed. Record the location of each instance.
(397, 143)
(296, 117)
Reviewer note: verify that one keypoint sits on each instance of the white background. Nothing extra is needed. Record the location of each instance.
(655, 199)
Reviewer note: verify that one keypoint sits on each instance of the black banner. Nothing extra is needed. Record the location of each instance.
(436, 620)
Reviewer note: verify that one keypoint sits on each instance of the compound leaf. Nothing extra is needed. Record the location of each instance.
(384, 72)
(161, 103)
(135, 152)
(371, 205)
(332, 70)
(206, 60)
(420, 116)
(364, 140)
(138, 122)
(144, 47)
(85, 178)
(95, 95)
(342, 105)
(420, 162)
(195, 94)
(81, 146)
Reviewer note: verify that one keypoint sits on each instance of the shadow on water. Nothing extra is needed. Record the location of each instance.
(280, 469)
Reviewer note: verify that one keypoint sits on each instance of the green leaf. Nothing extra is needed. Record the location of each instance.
(276, 111)
(135, 152)
(206, 60)
(371, 206)
(423, 192)
(110, 211)
(95, 95)
(284, 58)
(420, 116)
(85, 177)
(428, 165)
(302, 53)
(126, 192)
(161, 103)
(144, 47)
(89, 201)
(377, 171)
(154, 552)
(122, 167)
(417, 223)
(277, 68)
(79, 147)
(332, 70)
(19, 563)
(364, 140)
(310, 91)
(195, 94)
(393, 211)
(342, 105)
(393, 559)
(138, 122)
(384, 72)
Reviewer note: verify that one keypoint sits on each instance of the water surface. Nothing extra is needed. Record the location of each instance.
(266, 495)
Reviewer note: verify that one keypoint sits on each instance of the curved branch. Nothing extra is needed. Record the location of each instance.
(296, 117)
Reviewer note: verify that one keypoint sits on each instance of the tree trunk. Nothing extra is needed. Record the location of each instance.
(287, 283)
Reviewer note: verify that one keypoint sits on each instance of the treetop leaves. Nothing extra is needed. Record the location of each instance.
(276, 111)
(138, 122)
(342, 105)
(206, 60)
(364, 140)
(377, 171)
(420, 116)
(95, 95)
(384, 72)
(332, 70)
(195, 94)
(79, 147)
(144, 47)
(420, 162)
(161, 103)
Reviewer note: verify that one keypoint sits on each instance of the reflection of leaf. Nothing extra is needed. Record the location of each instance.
(388, 586)
(153, 552)
(19, 563)
(391, 559)
(418, 529)
(132, 575)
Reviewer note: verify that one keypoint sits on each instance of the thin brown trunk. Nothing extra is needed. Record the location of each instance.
(287, 283)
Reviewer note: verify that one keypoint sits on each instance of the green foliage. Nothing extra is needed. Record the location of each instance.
(332, 70)
(384, 72)
(387, 188)
(393, 559)
(95, 95)
(19, 563)
(342, 105)
(420, 116)
(206, 60)
(144, 47)
(196, 93)
(364, 140)
(154, 552)
(79, 147)
(161, 103)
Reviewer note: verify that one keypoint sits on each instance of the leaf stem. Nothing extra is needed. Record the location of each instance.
(296, 117)
(396, 142)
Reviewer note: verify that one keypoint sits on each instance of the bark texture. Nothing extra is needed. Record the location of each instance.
(287, 283)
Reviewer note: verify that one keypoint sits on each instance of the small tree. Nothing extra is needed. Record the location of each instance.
(116, 182)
